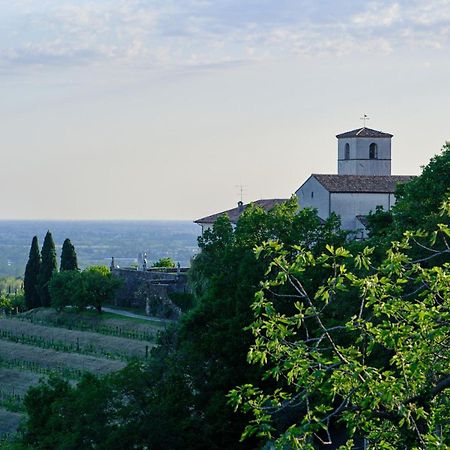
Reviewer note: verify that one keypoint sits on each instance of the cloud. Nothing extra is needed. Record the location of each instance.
(203, 33)
(378, 15)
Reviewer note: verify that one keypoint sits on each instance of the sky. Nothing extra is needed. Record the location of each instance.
(160, 109)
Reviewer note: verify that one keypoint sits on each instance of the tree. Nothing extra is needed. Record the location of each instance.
(417, 202)
(99, 286)
(31, 278)
(177, 399)
(66, 289)
(164, 262)
(382, 374)
(68, 256)
(81, 412)
(48, 267)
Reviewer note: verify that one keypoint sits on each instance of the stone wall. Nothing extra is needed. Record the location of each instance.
(150, 290)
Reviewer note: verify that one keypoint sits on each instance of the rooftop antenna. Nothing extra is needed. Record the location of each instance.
(241, 190)
(364, 118)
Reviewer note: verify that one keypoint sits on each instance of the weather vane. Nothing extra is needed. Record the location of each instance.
(364, 118)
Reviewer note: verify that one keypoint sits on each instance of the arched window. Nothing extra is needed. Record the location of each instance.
(373, 151)
(347, 151)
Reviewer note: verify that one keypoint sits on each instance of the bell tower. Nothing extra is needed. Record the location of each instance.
(364, 152)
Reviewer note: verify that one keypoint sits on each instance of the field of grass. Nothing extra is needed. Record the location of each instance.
(17, 382)
(9, 422)
(104, 323)
(41, 342)
(84, 342)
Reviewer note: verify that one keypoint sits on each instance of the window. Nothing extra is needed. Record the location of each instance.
(347, 151)
(312, 194)
(373, 151)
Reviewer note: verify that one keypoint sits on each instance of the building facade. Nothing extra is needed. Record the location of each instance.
(363, 182)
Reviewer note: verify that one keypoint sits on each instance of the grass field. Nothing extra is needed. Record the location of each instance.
(52, 359)
(42, 342)
(17, 382)
(105, 323)
(9, 422)
(72, 340)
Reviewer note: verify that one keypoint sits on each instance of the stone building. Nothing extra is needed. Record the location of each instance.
(363, 182)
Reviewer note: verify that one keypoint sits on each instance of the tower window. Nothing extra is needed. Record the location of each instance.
(373, 151)
(347, 151)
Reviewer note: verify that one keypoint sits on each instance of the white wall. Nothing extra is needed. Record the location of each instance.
(311, 194)
(350, 205)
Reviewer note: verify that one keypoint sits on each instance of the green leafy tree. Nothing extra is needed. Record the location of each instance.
(81, 412)
(31, 278)
(48, 267)
(382, 374)
(418, 202)
(68, 256)
(164, 262)
(99, 286)
(11, 285)
(66, 289)
(178, 399)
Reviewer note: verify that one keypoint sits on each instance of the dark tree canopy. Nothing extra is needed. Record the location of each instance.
(178, 399)
(68, 256)
(48, 266)
(418, 202)
(30, 282)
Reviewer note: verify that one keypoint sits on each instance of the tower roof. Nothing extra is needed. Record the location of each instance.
(364, 133)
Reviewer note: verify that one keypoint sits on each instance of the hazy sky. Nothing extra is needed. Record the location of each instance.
(146, 109)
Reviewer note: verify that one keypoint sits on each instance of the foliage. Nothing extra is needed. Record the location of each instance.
(178, 399)
(164, 262)
(66, 288)
(11, 285)
(5, 303)
(379, 223)
(382, 373)
(209, 346)
(417, 207)
(12, 303)
(184, 300)
(47, 268)
(31, 278)
(418, 202)
(68, 256)
(75, 412)
(100, 286)
(93, 287)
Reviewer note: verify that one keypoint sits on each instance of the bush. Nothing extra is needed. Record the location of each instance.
(164, 262)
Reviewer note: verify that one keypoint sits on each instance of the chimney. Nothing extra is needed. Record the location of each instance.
(240, 206)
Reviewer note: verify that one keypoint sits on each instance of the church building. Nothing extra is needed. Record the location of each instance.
(363, 182)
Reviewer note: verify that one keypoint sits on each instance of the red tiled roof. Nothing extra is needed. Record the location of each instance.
(384, 184)
(234, 213)
(364, 133)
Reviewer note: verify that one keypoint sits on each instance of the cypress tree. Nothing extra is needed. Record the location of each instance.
(30, 281)
(48, 266)
(68, 256)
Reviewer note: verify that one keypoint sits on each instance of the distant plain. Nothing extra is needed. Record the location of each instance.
(97, 241)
